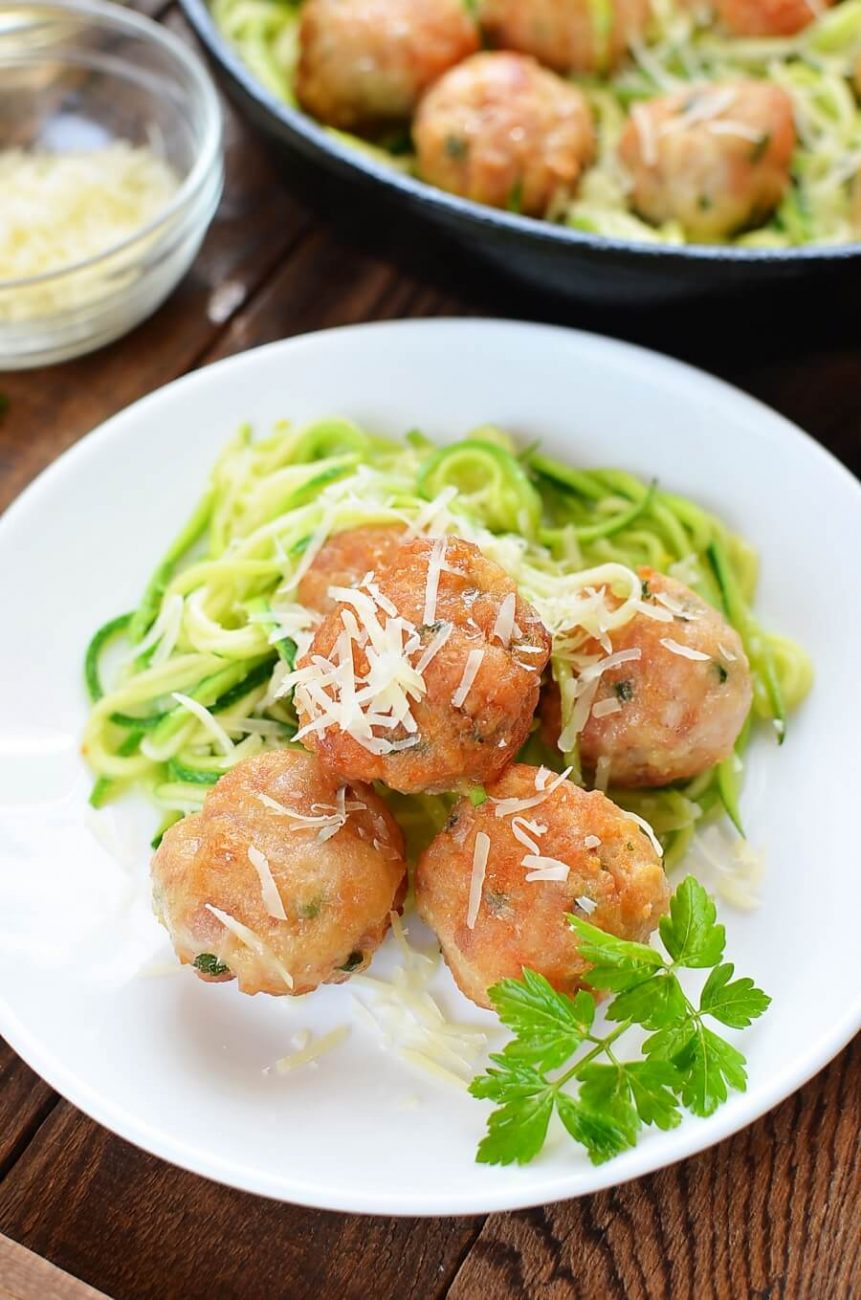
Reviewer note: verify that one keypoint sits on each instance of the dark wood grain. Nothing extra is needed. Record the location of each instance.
(24, 1102)
(770, 1213)
(134, 1227)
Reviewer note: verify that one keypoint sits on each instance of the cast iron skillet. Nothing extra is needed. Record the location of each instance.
(579, 266)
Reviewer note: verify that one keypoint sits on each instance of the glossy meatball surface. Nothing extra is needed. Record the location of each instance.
(677, 708)
(502, 131)
(567, 35)
(345, 559)
(307, 868)
(363, 63)
(715, 159)
(768, 17)
(432, 685)
(607, 869)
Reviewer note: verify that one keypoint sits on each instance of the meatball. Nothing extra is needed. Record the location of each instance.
(286, 879)
(768, 17)
(364, 63)
(429, 684)
(500, 130)
(677, 708)
(568, 35)
(551, 849)
(345, 559)
(715, 159)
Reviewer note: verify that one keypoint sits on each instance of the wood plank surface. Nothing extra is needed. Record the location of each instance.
(24, 1276)
(770, 1213)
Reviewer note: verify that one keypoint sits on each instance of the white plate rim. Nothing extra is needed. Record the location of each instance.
(697, 1136)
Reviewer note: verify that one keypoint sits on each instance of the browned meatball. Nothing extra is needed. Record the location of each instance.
(715, 158)
(546, 854)
(432, 684)
(768, 17)
(345, 559)
(286, 879)
(500, 130)
(363, 63)
(677, 708)
(568, 35)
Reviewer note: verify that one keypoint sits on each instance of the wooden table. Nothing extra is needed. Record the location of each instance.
(771, 1213)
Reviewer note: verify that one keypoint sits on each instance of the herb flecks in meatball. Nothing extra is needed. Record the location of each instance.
(502, 131)
(366, 63)
(428, 681)
(285, 880)
(496, 887)
(673, 697)
(714, 158)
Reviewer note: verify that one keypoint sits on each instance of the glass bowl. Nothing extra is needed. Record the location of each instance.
(82, 74)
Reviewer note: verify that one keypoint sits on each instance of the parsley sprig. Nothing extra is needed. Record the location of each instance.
(602, 1099)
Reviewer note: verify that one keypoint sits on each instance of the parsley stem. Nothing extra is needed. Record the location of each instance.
(601, 1046)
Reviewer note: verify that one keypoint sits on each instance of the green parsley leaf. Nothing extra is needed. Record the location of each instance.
(516, 1132)
(690, 934)
(616, 963)
(605, 1091)
(477, 795)
(656, 1002)
(549, 1026)
(733, 1002)
(709, 1066)
(511, 1081)
(668, 1043)
(654, 1085)
(602, 1137)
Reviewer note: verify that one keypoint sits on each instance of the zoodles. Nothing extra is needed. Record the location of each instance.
(219, 626)
(816, 67)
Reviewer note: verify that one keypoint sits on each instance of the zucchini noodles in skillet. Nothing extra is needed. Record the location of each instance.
(808, 141)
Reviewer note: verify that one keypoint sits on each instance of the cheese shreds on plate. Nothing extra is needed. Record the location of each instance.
(207, 721)
(409, 1020)
(312, 1049)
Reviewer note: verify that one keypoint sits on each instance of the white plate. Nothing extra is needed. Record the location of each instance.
(176, 1066)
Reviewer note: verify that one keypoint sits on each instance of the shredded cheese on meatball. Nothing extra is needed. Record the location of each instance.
(251, 941)
(480, 854)
(683, 651)
(268, 888)
(470, 672)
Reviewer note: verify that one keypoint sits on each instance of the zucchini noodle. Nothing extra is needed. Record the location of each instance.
(198, 683)
(818, 68)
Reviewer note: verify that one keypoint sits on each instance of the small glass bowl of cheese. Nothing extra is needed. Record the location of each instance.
(111, 169)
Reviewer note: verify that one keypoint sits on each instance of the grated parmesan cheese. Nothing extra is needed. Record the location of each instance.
(470, 672)
(61, 209)
(480, 854)
(251, 940)
(503, 628)
(539, 867)
(268, 888)
(683, 651)
(646, 828)
(207, 721)
(601, 708)
(409, 1020)
(505, 807)
(312, 1048)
